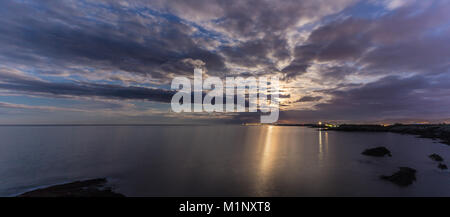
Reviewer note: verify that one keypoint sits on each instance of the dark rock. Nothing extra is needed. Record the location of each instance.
(404, 177)
(436, 157)
(87, 188)
(377, 152)
(442, 166)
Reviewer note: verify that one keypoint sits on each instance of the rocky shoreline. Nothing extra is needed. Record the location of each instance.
(86, 188)
(432, 131)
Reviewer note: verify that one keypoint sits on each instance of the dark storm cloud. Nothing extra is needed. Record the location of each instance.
(27, 85)
(149, 37)
(300, 100)
(117, 40)
(32, 86)
(411, 39)
(135, 38)
(389, 97)
(255, 53)
(341, 40)
(424, 56)
(262, 25)
(335, 74)
(309, 99)
(249, 18)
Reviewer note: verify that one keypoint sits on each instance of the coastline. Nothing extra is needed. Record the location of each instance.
(432, 131)
(86, 188)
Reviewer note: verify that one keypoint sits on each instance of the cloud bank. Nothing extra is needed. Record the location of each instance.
(342, 60)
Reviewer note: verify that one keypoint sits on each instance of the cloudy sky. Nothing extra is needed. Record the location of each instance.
(92, 61)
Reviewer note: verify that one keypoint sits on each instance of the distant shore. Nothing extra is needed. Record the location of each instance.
(433, 131)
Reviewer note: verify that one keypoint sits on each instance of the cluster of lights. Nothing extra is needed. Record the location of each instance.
(327, 124)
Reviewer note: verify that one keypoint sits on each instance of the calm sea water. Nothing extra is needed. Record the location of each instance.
(221, 160)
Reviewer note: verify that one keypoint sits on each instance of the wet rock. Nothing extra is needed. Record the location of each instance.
(377, 152)
(87, 188)
(436, 157)
(404, 177)
(442, 166)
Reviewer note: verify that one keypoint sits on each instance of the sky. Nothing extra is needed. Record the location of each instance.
(112, 62)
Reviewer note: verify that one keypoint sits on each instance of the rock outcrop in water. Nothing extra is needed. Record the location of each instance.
(439, 159)
(87, 188)
(377, 152)
(404, 177)
(442, 166)
(436, 157)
